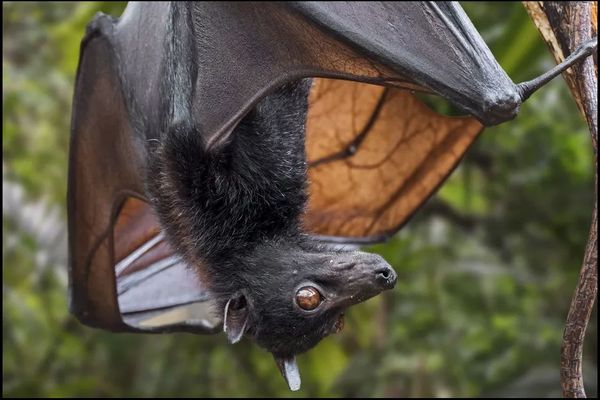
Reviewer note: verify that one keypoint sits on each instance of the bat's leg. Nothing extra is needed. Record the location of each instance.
(526, 89)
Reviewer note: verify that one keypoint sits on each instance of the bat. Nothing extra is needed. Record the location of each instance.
(223, 154)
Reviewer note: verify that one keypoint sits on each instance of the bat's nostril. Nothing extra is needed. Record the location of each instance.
(385, 273)
(386, 277)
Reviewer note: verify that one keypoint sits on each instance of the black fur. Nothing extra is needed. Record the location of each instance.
(234, 212)
(249, 191)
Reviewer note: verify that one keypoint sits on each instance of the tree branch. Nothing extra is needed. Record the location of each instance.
(565, 26)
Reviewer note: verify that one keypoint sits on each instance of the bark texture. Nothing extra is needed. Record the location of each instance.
(565, 26)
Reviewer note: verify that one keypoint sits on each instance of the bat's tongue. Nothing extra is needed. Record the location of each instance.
(289, 370)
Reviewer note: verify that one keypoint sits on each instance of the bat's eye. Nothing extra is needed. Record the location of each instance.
(308, 298)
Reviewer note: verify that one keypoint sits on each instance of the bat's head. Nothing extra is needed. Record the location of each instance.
(300, 296)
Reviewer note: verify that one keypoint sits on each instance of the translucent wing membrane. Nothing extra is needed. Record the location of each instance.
(155, 287)
(123, 274)
(375, 156)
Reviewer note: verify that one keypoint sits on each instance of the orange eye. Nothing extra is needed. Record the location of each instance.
(308, 298)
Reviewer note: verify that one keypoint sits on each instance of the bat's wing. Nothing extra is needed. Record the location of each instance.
(375, 155)
(207, 64)
(156, 290)
(123, 276)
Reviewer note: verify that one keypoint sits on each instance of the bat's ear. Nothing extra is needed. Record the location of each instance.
(289, 370)
(235, 318)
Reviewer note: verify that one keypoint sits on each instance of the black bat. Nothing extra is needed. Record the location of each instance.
(217, 147)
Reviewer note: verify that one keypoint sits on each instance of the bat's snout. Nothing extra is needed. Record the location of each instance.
(372, 269)
(378, 271)
(386, 277)
(361, 276)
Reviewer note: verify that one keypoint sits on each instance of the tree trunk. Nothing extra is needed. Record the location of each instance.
(565, 26)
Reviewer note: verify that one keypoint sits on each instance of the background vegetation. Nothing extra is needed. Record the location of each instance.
(486, 268)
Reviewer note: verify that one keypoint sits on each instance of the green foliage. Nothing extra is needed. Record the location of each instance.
(482, 294)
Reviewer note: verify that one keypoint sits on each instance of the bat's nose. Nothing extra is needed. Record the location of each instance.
(375, 267)
(362, 276)
(386, 277)
(368, 271)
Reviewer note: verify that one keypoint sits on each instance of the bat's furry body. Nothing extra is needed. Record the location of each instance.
(234, 213)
